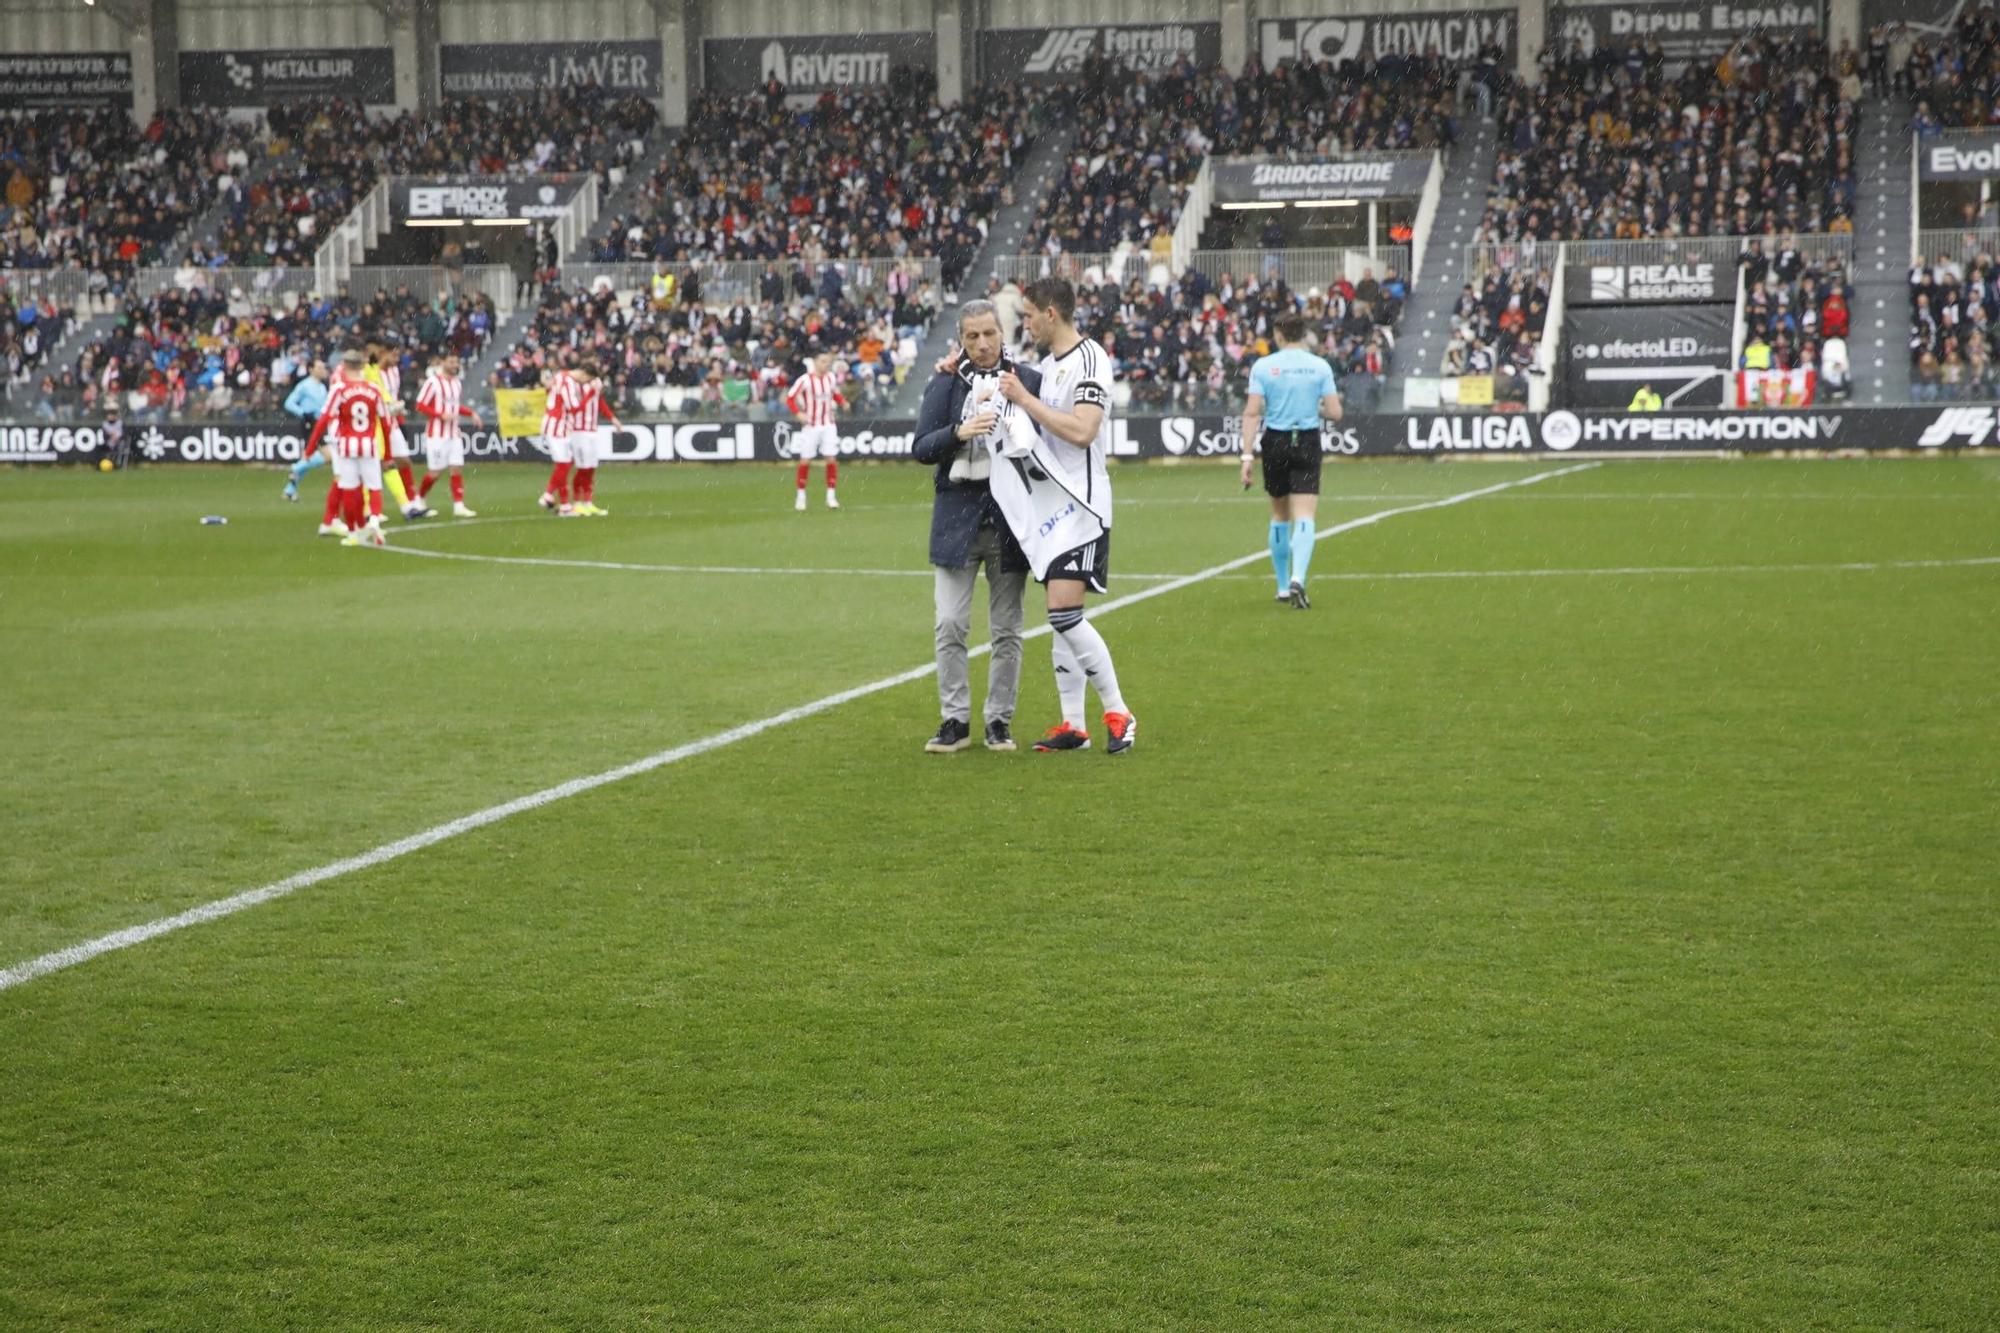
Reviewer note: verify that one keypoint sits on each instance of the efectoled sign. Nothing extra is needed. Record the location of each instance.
(1271, 182)
(1687, 29)
(76, 80)
(1971, 155)
(813, 64)
(514, 69)
(1049, 55)
(1457, 36)
(539, 197)
(258, 78)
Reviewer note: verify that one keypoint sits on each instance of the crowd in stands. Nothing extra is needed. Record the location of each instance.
(1188, 344)
(866, 174)
(1141, 138)
(1759, 142)
(1951, 80)
(95, 190)
(1955, 327)
(283, 218)
(1796, 314)
(32, 322)
(1497, 327)
(727, 353)
(204, 353)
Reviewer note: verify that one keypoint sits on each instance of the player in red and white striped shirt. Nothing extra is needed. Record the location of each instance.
(812, 399)
(558, 424)
(356, 412)
(587, 439)
(441, 403)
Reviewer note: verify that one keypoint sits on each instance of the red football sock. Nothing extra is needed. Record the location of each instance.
(430, 480)
(350, 502)
(409, 478)
(374, 502)
(586, 483)
(335, 502)
(559, 482)
(457, 489)
(832, 473)
(805, 471)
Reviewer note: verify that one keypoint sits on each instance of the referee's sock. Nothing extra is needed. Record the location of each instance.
(1302, 549)
(1281, 551)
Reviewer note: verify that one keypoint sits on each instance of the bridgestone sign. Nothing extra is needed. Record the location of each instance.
(1369, 37)
(814, 64)
(1395, 178)
(1050, 55)
(1964, 157)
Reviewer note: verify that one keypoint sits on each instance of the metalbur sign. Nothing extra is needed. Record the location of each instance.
(256, 78)
(1358, 37)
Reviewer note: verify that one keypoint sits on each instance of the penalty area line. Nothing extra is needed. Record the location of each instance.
(60, 959)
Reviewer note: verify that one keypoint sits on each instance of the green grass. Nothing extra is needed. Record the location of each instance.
(1568, 951)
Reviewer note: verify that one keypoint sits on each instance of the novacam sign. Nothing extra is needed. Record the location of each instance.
(1372, 36)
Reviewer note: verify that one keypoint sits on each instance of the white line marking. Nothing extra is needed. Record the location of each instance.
(222, 907)
(1847, 566)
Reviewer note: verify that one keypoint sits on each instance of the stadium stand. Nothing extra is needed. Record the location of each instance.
(1497, 325)
(1188, 345)
(197, 353)
(336, 154)
(683, 353)
(1143, 139)
(1955, 327)
(1949, 80)
(861, 175)
(96, 191)
(1800, 308)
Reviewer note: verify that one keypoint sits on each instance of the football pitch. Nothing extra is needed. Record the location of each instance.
(1587, 915)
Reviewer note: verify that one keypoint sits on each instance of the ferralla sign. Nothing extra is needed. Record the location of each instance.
(1962, 157)
(1046, 55)
(1272, 182)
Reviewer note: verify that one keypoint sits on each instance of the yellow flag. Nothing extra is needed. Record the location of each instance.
(1475, 391)
(520, 411)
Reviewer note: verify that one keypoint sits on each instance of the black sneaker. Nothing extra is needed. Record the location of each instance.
(1062, 736)
(952, 736)
(999, 736)
(1298, 598)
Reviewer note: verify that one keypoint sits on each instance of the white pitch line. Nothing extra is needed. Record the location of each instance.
(32, 968)
(1836, 567)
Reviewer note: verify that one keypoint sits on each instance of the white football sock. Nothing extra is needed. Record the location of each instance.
(1069, 681)
(1087, 646)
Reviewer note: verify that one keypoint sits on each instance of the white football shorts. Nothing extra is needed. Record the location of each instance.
(444, 451)
(349, 473)
(587, 446)
(559, 448)
(399, 444)
(817, 442)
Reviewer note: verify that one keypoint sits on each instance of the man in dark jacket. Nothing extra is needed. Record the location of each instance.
(967, 530)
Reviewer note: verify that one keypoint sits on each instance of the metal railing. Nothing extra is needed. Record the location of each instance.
(1541, 256)
(1305, 270)
(286, 287)
(727, 280)
(81, 289)
(1957, 243)
(1093, 270)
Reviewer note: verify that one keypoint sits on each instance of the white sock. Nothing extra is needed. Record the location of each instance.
(1069, 681)
(1089, 651)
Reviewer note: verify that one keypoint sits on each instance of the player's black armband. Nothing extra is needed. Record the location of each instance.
(1093, 394)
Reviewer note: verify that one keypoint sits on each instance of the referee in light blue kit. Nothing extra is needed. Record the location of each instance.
(1291, 392)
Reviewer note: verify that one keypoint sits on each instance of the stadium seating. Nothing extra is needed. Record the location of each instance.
(1800, 307)
(1955, 327)
(96, 191)
(1188, 345)
(1497, 325)
(340, 154)
(688, 355)
(31, 324)
(198, 353)
(1141, 140)
(864, 175)
(1946, 78)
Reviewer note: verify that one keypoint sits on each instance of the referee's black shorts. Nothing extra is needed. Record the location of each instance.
(1291, 462)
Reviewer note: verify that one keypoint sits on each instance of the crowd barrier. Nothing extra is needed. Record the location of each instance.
(1418, 434)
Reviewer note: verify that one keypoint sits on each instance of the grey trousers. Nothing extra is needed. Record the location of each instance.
(954, 623)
